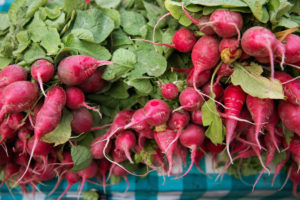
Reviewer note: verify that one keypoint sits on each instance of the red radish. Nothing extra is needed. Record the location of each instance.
(1, 91)
(280, 52)
(94, 83)
(189, 100)
(169, 90)
(292, 47)
(143, 126)
(82, 120)
(19, 96)
(295, 149)
(47, 118)
(76, 100)
(225, 70)
(143, 136)
(228, 43)
(199, 154)
(260, 110)
(201, 79)
(97, 147)
(103, 167)
(234, 98)
(182, 152)
(270, 127)
(24, 134)
(124, 142)
(263, 60)
(12, 73)
(74, 70)
(290, 86)
(15, 120)
(243, 126)
(42, 71)
(87, 173)
(205, 55)
(295, 177)
(183, 40)
(217, 90)
(192, 137)
(11, 169)
(207, 30)
(214, 150)
(6, 132)
(71, 178)
(197, 117)
(271, 148)
(229, 50)
(289, 115)
(225, 23)
(41, 148)
(259, 42)
(178, 121)
(163, 139)
(22, 159)
(118, 171)
(280, 166)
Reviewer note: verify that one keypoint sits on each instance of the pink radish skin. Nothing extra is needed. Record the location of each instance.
(244, 126)
(291, 87)
(259, 42)
(71, 178)
(163, 139)
(14, 120)
(295, 178)
(271, 148)
(24, 134)
(143, 136)
(289, 115)
(13, 102)
(76, 99)
(74, 70)
(295, 149)
(12, 73)
(292, 47)
(47, 118)
(178, 121)
(234, 98)
(143, 126)
(42, 71)
(93, 83)
(124, 142)
(199, 154)
(87, 173)
(225, 70)
(103, 168)
(280, 52)
(280, 166)
(197, 117)
(11, 169)
(82, 120)
(270, 127)
(41, 149)
(261, 111)
(217, 89)
(207, 30)
(214, 150)
(202, 78)
(97, 147)
(118, 171)
(169, 91)
(192, 137)
(228, 43)
(205, 55)
(6, 132)
(190, 100)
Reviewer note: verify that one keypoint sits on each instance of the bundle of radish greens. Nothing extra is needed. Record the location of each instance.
(108, 88)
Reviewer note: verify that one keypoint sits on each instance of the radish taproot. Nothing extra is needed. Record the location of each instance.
(124, 142)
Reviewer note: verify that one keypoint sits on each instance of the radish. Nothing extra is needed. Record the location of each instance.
(13, 102)
(103, 167)
(199, 154)
(271, 148)
(260, 110)
(207, 30)
(169, 90)
(11, 169)
(143, 136)
(197, 117)
(225, 70)
(74, 70)
(6, 132)
(280, 52)
(217, 90)
(295, 177)
(234, 98)
(120, 172)
(15, 120)
(97, 147)
(289, 115)
(178, 121)
(47, 119)
(71, 178)
(192, 137)
(229, 50)
(87, 173)
(93, 83)
(82, 121)
(201, 79)
(290, 86)
(259, 42)
(271, 126)
(12, 73)
(183, 40)
(280, 166)
(292, 47)
(124, 142)
(143, 126)
(76, 100)
(189, 100)
(163, 139)
(214, 150)
(42, 71)
(295, 149)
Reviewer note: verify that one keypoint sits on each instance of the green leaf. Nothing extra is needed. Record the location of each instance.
(4, 61)
(71, 5)
(114, 180)
(153, 14)
(113, 14)
(279, 157)
(57, 23)
(118, 90)
(37, 28)
(175, 9)
(51, 41)
(288, 134)
(120, 38)
(62, 133)
(96, 22)
(90, 195)
(224, 3)
(132, 22)
(211, 118)
(255, 84)
(33, 53)
(258, 9)
(34, 6)
(16, 10)
(87, 48)
(81, 157)
(83, 34)
(4, 21)
(142, 85)
(50, 13)
(296, 6)
(287, 23)
(108, 3)
(278, 9)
